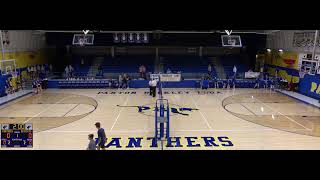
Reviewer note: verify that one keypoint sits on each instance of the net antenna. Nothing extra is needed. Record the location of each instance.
(160, 88)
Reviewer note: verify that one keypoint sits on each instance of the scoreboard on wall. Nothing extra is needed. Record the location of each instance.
(16, 135)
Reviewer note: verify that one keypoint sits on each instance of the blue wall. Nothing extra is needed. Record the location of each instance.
(310, 86)
(2, 84)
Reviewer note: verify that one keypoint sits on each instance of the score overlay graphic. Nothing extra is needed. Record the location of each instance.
(16, 135)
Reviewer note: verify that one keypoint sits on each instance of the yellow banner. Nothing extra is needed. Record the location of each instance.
(27, 58)
(283, 59)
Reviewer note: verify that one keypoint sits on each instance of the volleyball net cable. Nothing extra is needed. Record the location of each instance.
(160, 89)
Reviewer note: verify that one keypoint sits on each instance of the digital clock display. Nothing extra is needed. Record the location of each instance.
(16, 135)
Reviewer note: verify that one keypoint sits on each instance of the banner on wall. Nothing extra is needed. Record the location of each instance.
(310, 86)
(283, 59)
(287, 60)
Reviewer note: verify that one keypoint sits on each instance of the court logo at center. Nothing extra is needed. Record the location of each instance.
(149, 109)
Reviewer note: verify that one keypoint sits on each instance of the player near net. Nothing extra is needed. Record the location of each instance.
(153, 87)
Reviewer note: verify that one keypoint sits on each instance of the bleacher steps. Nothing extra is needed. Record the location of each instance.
(93, 70)
(218, 67)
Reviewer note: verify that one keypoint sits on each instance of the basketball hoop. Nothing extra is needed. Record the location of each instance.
(81, 42)
(83, 39)
(231, 41)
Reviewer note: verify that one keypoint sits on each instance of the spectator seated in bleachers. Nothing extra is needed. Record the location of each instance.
(120, 81)
(272, 83)
(100, 69)
(209, 69)
(42, 69)
(233, 82)
(32, 71)
(66, 71)
(265, 80)
(29, 71)
(142, 71)
(38, 68)
(71, 71)
(169, 71)
(229, 82)
(234, 71)
(19, 82)
(125, 81)
(215, 81)
(257, 83)
(36, 85)
(46, 69)
(8, 86)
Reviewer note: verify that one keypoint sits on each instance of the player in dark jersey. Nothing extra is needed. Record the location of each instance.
(272, 83)
(8, 86)
(257, 83)
(34, 87)
(233, 82)
(101, 136)
(225, 83)
(215, 81)
(228, 82)
(204, 83)
(265, 81)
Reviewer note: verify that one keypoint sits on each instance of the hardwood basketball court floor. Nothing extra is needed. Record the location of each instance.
(230, 119)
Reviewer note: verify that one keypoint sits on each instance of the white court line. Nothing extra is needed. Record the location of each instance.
(282, 114)
(203, 117)
(95, 98)
(279, 113)
(45, 109)
(114, 123)
(147, 131)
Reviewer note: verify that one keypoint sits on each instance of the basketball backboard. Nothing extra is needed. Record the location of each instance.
(231, 41)
(83, 39)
